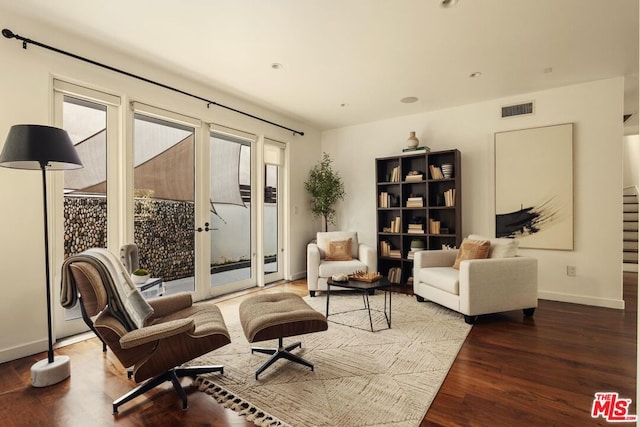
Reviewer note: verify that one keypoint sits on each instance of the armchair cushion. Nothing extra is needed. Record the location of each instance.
(471, 249)
(444, 278)
(500, 247)
(329, 268)
(339, 250)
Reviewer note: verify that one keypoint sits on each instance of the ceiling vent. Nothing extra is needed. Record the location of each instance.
(517, 110)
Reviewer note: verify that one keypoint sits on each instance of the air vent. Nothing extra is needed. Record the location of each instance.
(626, 117)
(517, 110)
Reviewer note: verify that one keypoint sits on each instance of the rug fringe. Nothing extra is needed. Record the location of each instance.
(237, 404)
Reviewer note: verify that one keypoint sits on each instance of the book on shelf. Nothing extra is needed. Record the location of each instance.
(436, 172)
(434, 226)
(450, 197)
(395, 275)
(415, 202)
(414, 176)
(416, 150)
(415, 231)
(387, 200)
(395, 225)
(394, 175)
(387, 250)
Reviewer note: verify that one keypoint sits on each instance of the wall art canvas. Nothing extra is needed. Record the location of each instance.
(534, 186)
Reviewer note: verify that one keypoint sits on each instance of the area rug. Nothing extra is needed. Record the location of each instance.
(361, 378)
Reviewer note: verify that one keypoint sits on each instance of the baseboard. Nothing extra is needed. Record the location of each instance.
(630, 268)
(23, 350)
(299, 275)
(581, 299)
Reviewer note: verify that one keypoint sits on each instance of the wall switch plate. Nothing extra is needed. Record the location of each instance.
(571, 270)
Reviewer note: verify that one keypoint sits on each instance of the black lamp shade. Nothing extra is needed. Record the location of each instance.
(37, 146)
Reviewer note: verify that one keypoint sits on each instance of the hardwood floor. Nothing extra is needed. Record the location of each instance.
(510, 371)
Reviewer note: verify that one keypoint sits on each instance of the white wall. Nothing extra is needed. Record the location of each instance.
(631, 147)
(25, 85)
(595, 108)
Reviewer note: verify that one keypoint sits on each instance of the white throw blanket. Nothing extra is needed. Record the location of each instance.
(125, 301)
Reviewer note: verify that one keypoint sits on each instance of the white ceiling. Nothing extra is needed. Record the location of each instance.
(367, 54)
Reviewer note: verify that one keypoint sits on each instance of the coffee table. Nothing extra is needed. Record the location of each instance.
(365, 287)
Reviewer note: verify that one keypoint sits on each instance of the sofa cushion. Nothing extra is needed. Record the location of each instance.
(443, 278)
(500, 247)
(323, 239)
(339, 250)
(472, 249)
(329, 268)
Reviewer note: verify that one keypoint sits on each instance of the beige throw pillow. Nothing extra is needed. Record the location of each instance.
(472, 249)
(339, 250)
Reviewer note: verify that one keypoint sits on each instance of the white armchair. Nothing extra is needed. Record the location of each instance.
(319, 268)
(501, 282)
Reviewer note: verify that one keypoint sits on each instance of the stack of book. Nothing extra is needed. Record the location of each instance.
(395, 275)
(414, 176)
(434, 226)
(415, 229)
(394, 175)
(416, 150)
(415, 202)
(450, 197)
(387, 250)
(384, 200)
(436, 172)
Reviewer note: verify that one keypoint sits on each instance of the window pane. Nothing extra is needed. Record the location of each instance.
(85, 202)
(230, 212)
(164, 182)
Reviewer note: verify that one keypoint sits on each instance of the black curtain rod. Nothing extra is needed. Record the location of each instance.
(25, 41)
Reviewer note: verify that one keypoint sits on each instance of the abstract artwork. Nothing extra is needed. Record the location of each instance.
(534, 186)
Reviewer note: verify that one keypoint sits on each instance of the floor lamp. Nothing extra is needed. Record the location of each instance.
(42, 148)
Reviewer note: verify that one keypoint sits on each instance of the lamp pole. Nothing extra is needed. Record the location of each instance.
(47, 270)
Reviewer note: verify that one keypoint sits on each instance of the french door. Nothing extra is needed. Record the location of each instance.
(273, 210)
(89, 201)
(204, 203)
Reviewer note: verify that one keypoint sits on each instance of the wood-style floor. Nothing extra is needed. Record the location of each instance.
(510, 371)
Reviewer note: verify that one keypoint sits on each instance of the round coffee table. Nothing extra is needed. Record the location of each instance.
(366, 288)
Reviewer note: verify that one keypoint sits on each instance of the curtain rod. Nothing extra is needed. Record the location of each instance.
(25, 41)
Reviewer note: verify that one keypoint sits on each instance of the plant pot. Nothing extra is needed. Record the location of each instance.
(139, 280)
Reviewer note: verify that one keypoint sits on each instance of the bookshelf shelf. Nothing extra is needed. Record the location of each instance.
(416, 179)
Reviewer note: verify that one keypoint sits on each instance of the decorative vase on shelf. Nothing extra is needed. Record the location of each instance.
(412, 142)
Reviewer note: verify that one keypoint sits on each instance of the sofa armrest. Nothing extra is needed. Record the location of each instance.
(367, 255)
(313, 266)
(498, 284)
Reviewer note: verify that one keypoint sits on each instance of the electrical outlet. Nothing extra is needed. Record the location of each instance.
(571, 270)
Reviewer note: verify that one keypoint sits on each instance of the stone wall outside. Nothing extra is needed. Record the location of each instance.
(163, 232)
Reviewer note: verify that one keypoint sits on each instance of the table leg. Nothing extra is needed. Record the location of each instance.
(368, 307)
(328, 294)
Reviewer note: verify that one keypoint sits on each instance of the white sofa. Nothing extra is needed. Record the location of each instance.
(319, 269)
(501, 282)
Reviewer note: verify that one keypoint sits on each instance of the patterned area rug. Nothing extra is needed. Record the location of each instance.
(361, 378)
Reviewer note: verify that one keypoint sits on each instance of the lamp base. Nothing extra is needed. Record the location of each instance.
(44, 374)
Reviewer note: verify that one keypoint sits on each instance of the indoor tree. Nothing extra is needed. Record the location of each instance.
(326, 188)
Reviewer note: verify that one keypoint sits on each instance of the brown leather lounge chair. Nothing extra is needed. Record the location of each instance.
(153, 339)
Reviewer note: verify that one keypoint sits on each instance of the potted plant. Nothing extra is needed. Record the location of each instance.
(140, 276)
(326, 188)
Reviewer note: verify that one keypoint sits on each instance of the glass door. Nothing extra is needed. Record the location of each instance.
(88, 204)
(231, 211)
(272, 241)
(164, 199)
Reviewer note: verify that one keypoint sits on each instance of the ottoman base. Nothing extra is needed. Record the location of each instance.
(280, 353)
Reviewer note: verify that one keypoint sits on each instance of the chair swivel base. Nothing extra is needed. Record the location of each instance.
(280, 353)
(172, 375)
